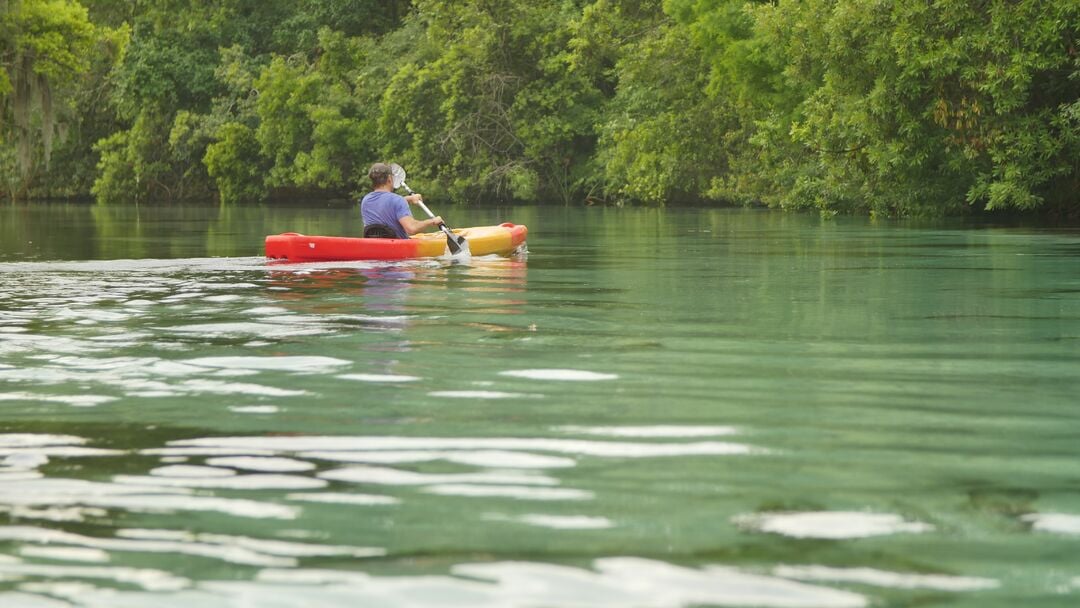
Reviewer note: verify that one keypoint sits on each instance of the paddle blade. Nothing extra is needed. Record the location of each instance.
(456, 243)
(398, 174)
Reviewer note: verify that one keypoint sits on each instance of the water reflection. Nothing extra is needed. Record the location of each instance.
(231, 476)
(67, 323)
(226, 475)
(769, 411)
(608, 583)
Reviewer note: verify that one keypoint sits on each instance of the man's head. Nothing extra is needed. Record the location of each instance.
(380, 174)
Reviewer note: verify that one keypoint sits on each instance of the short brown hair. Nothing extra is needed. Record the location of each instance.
(379, 173)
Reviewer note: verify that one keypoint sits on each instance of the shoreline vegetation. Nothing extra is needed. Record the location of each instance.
(892, 109)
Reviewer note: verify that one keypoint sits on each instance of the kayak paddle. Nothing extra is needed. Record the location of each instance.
(455, 242)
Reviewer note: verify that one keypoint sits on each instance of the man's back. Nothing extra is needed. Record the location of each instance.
(381, 207)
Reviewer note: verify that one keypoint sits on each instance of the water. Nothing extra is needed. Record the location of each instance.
(655, 409)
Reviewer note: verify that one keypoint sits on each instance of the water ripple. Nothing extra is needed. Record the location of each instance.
(831, 524)
(308, 364)
(610, 449)
(230, 482)
(1058, 523)
(559, 374)
(650, 431)
(880, 578)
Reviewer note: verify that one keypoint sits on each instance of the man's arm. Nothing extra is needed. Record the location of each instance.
(413, 225)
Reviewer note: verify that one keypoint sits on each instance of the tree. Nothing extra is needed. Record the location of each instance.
(901, 108)
(45, 46)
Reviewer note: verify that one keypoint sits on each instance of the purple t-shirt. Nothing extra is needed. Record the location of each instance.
(388, 208)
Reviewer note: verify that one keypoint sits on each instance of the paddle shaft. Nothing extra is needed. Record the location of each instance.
(451, 238)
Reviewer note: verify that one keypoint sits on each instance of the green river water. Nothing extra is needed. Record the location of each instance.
(649, 408)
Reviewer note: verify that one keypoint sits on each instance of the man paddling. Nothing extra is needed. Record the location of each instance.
(386, 214)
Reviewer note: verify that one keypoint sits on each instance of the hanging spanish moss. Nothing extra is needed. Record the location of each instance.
(32, 91)
(45, 47)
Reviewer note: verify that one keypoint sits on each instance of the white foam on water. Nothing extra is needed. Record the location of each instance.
(836, 525)
(261, 463)
(378, 378)
(882, 578)
(343, 499)
(283, 363)
(483, 395)
(650, 431)
(1057, 523)
(572, 375)
(397, 477)
(234, 482)
(515, 492)
(609, 449)
(482, 458)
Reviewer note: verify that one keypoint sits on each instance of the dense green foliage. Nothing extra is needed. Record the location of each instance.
(893, 108)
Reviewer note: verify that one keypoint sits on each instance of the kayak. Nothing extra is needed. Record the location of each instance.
(483, 240)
